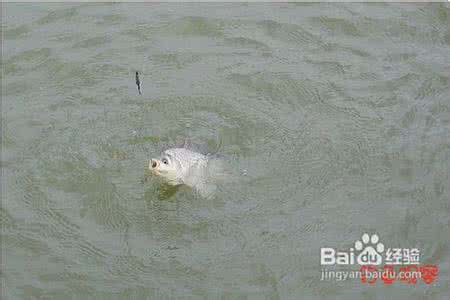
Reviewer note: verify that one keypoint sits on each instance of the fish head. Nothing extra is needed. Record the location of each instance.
(167, 167)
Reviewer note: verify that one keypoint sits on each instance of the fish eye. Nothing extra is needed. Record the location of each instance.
(165, 161)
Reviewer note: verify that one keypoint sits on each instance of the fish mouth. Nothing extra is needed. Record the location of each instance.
(154, 163)
(153, 166)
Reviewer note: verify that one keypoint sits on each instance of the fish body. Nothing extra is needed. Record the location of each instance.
(181, 166)
(177, 164)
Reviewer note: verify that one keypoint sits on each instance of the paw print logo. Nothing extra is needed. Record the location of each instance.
(371, 250)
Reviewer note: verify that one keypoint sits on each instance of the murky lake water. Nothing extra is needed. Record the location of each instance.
(334, 117)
